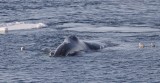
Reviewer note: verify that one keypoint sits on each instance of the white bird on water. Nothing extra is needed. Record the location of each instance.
(141, 45)
(152, 45)
(22, 48)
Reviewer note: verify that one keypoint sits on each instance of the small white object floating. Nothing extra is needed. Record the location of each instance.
(20, 26)
(141, 45)
(152, 45)
(22, 48)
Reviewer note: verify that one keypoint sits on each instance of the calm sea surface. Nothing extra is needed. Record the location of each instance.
(123, 63)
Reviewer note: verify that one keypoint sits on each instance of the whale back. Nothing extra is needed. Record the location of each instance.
(67, 46)
(93, 46)
(73, 45)
(71, 39)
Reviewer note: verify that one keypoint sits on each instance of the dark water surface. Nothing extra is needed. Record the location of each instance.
(125, 63)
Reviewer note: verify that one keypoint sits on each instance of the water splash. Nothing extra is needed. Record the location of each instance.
(20, 26)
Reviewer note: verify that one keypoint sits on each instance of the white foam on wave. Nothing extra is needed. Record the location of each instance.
(91, 28)
(20, 26)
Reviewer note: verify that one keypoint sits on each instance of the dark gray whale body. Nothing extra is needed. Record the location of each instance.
(72, 45)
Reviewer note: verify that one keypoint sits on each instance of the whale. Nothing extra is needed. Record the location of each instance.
(73, 45)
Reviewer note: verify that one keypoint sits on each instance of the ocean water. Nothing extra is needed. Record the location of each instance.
(124, 23)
